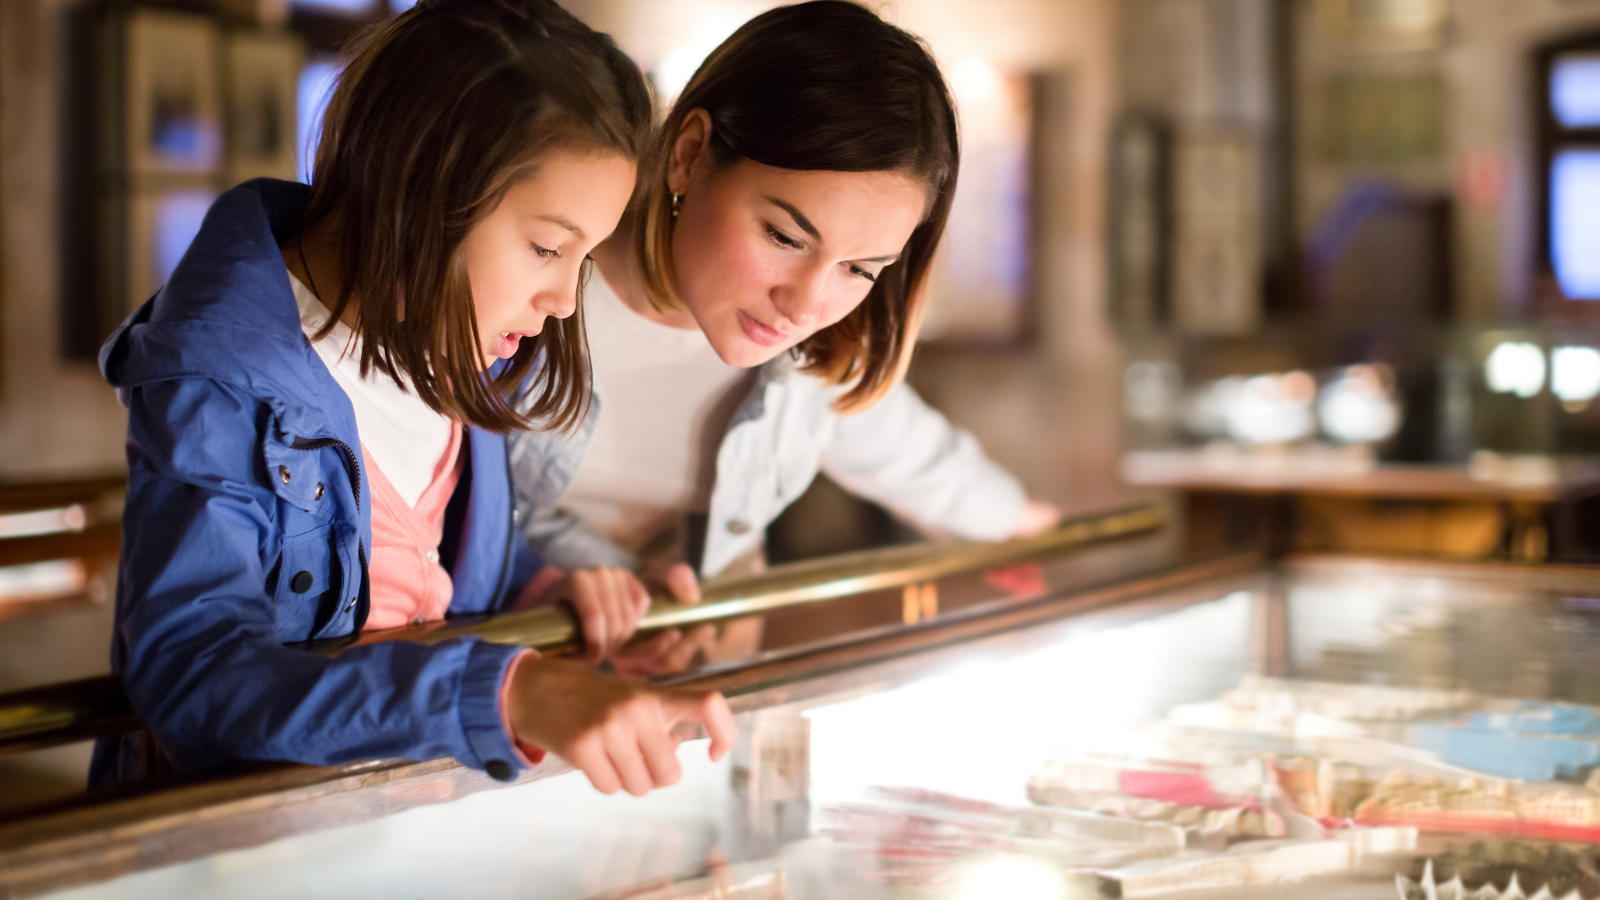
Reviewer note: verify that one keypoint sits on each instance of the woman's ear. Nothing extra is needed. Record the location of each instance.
(691, 144)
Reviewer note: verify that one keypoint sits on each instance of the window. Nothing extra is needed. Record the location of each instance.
(1569, 104)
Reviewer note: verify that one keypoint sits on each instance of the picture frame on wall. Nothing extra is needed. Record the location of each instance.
(1216, 210)
(1141, 222)
(262, 73)
(171, 103)
(1386, 25)
(980, 285)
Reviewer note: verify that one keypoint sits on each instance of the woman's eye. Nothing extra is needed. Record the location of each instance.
(783, 240)
(545, 252)
(863, 273)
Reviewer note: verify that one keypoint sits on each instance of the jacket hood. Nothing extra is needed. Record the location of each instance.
(228, 314)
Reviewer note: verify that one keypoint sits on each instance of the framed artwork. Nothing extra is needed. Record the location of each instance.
(1386, 25)
(1140, 221)
(261, 97)
(1393, 118)
(979, 287)
(172, 107)
(1216, 208)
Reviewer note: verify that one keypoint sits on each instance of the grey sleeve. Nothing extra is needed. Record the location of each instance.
(908, 457)
(566, 541)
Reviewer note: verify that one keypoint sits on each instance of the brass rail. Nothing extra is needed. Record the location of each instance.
(97, 707)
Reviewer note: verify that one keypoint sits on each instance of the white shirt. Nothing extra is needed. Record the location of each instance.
(405, 438)
(666, 399)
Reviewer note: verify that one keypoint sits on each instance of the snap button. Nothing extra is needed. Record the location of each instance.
(320, 489)
(283, 473)
(498, 769)
(738, 526)
(516, 516)
(300, 583)
(433, 556)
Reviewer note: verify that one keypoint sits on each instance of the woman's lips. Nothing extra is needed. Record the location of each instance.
(761, 334)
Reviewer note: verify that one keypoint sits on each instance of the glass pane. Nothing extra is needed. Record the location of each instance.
(342, 7)
(316, 89)
(1575, 222)
(1575, 90)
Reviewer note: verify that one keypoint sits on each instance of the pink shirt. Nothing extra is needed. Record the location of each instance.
(407, 581)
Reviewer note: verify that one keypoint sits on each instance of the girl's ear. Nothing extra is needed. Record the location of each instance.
(691, 144)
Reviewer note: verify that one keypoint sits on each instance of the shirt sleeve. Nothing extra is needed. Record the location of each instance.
(904, 454)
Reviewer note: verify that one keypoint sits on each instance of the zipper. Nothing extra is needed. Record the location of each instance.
(349, 458)
(353, 464)
(511, 526)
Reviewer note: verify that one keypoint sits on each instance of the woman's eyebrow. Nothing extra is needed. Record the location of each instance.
(798, 216)
(566, 223)
(811, 229)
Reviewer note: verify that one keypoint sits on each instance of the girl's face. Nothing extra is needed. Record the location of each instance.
(524, 259)
(767, 257)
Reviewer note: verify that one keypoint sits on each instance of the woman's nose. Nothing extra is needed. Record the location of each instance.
(802, 301)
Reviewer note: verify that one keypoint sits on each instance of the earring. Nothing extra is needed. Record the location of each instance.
(677, 201)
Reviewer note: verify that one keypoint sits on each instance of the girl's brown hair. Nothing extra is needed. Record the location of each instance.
(822, 86)
(438, 113)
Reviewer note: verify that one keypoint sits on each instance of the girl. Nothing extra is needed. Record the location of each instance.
(314, 447)
(784, 224)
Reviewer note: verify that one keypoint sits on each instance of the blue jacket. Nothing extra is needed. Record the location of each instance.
(245, 482)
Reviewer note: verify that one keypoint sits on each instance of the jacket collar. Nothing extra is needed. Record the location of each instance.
(228, 314)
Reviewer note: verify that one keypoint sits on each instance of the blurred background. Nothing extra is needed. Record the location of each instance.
(1316, 272)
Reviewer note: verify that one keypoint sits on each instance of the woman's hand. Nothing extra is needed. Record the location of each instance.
(1037, 518)
(619, 734)
(671, 650)
(609, 604)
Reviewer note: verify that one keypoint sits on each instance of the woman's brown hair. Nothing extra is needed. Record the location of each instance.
(822, 86)
(438, 113)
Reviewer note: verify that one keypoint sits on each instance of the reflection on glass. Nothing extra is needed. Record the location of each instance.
(1575, 376)
(343, 7)
(1272, 409)
(1515, 367)
(1575, 222)
(316, 89)
(178, 218)
(1358, 406)
(1575, 90)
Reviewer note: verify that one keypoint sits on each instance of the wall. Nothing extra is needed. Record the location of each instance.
(1484, 63)
(55, 416)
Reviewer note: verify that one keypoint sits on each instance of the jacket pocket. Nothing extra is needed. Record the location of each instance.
(305, 582)
(297, 476)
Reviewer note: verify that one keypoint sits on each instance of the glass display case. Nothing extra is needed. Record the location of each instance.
(1231, 726)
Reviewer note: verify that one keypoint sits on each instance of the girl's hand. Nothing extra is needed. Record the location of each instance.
(609, 604)
(621, 735)
(1037, 518)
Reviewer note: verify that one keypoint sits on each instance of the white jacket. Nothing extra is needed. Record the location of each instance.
(900, 453)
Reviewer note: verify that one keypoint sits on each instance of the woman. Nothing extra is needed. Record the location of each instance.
(757, 308)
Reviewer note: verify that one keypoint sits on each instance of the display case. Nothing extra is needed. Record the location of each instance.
(1230, 726)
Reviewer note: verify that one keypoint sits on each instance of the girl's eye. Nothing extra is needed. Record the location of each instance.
(545, 252)
(783, 240)
(859, 272)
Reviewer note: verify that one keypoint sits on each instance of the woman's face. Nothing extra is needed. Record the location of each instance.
(524, 259)
(767, 257)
